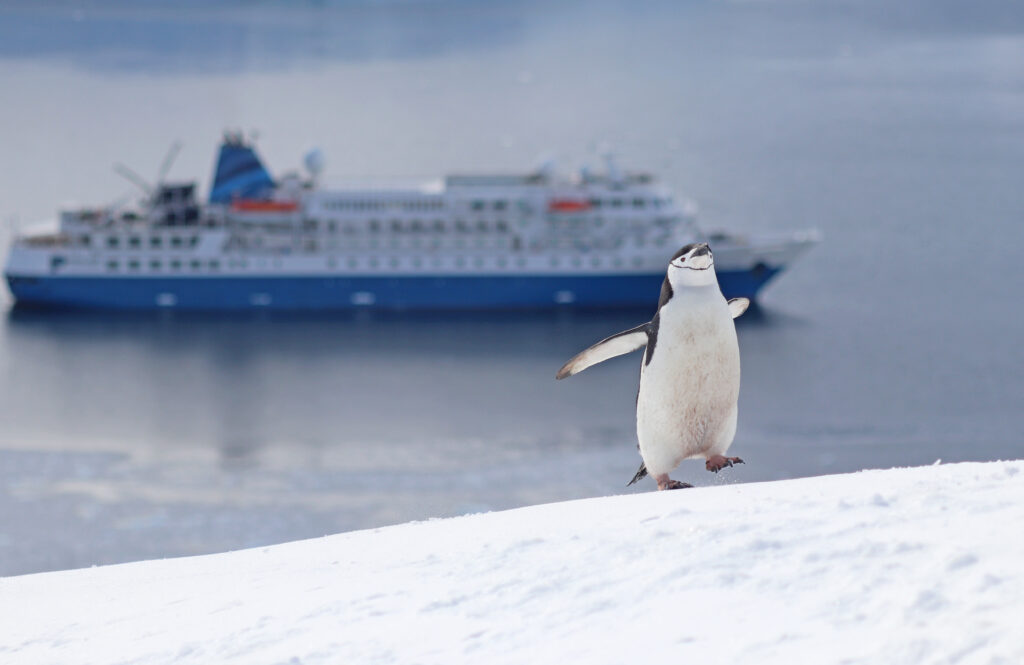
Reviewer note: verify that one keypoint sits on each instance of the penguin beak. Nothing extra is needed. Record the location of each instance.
(699, 258)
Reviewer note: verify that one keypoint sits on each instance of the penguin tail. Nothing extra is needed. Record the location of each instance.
(641, 472)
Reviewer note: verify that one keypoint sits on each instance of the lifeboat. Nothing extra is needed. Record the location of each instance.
(568, 205)
(256, 205)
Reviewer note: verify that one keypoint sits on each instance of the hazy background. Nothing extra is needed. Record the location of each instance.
(898, 131)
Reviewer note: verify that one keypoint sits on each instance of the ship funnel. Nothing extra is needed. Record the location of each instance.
(239, 172)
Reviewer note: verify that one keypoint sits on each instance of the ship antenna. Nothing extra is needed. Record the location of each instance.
(165, 167)
(134, 178)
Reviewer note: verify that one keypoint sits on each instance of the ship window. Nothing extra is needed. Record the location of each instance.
(113, 241)
(478, 262)
(193, 241)
(176, 265)
(500, 205)
(214, 265)
(112, 266)
(417, 225)
(460, 262)
(394, 263)
(135, 242)
(155, 241)
(439, 225)
(396, 226)
(616, 203)
(521, 262)
(85, 240)
(374, 225)
(638, 203)
(502, 262)
(595, 203)
(195, 265)
(133, 265)
(374, 262)
(481, 226)
(461, 226)
(477, 205)
(352, 263)
(637, 261)
(331, 228)
(176, 241)
(154, 265)
(501, 225)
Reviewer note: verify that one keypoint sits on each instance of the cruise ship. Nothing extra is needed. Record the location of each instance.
(470, 241)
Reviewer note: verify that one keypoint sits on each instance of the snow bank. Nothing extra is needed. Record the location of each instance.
(921, 565)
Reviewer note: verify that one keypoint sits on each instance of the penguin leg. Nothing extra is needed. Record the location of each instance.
(717, 462)
(666, 483)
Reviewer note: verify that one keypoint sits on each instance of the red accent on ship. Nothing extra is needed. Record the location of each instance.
(568, 205)
(255, 205)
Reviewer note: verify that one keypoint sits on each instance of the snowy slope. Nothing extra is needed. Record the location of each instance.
(921, 565)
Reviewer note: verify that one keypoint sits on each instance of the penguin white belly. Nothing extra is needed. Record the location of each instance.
(686, 406)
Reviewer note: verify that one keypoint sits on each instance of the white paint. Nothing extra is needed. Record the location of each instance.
(363, 298)
(166, 300)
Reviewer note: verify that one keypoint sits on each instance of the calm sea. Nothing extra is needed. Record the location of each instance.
(897, 131)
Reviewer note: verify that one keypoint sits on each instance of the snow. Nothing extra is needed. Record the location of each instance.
(920, 565)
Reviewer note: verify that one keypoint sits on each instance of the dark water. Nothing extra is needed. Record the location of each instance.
(896, 131)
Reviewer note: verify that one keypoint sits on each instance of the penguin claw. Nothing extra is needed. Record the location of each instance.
(676, 485)
(716, 463)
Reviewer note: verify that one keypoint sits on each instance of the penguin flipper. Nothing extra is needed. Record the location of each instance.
(609, 347)
(737, 306)
(641, 472)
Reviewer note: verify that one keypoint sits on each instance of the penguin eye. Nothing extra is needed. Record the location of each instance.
(682, 260)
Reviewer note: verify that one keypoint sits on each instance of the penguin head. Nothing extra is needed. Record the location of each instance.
(693, 265)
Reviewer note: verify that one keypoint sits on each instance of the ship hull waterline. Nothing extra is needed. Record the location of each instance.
(353, 292)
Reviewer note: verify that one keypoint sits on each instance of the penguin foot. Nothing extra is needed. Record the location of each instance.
(717, 462)
(666, 483)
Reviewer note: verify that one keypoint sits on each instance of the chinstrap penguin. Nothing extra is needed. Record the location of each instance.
(690, 373)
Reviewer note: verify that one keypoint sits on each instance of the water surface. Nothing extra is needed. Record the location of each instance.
(897, 133)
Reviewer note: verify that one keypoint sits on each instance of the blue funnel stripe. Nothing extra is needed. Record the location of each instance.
(239, 174)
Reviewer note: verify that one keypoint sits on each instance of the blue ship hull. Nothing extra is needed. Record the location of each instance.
(335, 292)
